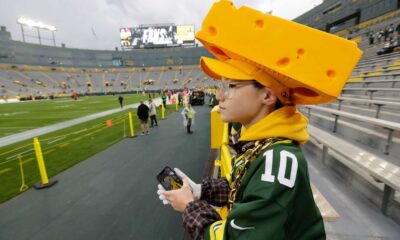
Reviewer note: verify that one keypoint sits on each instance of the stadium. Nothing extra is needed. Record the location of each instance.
(76, 162)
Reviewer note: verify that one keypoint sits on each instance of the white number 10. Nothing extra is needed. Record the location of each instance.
(284, 155)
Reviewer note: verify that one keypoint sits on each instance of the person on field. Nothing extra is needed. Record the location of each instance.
(121, 101)
(153, 113)
(188, 114)
(143, 115)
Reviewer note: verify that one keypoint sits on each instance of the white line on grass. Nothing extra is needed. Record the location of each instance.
(68, 101)
(80, 131)
(29, 150)
(61, 138)
(63, 106)
(12, 113)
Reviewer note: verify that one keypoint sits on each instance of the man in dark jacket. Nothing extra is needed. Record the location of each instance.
(143, 115)
(121, 101)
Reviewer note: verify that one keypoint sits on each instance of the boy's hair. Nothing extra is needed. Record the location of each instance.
(258, 85)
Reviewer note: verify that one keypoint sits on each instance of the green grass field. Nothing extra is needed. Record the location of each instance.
(23, 116)
(67, 147)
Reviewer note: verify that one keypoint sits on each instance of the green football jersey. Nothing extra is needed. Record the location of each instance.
(274, 200)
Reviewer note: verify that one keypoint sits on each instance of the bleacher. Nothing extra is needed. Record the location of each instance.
(27, 81)
(359, 134)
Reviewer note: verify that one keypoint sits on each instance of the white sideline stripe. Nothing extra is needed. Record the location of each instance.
(51, 128)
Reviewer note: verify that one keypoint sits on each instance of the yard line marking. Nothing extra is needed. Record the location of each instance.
(64, 145)
(47, 152)
(27, 160)
(61, 138)
(80, 131)
(5, 170)
(68, 101)
(64, 106)
(12, 113)
(19, 154)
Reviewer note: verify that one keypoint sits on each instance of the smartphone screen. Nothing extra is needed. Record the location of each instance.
(169, 179)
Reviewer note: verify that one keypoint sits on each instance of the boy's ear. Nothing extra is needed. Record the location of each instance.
(269, 97)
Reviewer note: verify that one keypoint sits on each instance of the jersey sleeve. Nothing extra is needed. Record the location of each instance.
(197, 216)
(215, 191)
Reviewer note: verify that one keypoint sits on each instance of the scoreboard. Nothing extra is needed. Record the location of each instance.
(157, 36)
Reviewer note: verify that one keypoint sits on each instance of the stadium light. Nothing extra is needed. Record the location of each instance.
(32, 23)
(38, 25)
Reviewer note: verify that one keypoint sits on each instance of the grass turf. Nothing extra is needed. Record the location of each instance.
(62, 149)
(23, 116)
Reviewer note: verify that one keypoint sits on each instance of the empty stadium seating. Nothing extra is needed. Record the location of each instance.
(26, 81)
(360, 132)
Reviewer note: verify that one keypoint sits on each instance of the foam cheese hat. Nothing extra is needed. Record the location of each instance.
(301, 64)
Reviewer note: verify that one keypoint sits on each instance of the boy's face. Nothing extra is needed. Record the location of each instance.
(241, 101)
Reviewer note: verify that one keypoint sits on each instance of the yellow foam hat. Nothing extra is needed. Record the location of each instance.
(306, 64)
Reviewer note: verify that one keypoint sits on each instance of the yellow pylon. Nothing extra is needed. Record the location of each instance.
(162, 111)
(131, 124)
(42, 168)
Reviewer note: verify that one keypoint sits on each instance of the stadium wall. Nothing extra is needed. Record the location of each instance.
(15, 52)
(336, 15)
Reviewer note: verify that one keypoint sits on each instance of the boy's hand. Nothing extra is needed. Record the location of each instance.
(180, 198)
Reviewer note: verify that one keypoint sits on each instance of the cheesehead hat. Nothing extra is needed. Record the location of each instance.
(294, 60)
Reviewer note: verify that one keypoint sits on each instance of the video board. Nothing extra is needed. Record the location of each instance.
(157, 36)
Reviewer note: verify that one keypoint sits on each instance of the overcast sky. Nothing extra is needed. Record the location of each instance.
(94, 24)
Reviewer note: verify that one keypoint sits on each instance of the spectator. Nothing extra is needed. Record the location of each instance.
(388, 47)
(180, 99)
(386, 34)
(169, 95)
(153, 113)
(371, 38)
(391, 30)
(268, 195)
(398, 29)
(143, 115)
(380, 35)
(164, 100)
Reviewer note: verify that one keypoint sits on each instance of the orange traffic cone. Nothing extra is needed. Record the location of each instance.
(109, 123)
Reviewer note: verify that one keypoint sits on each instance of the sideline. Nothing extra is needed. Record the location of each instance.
(4, 141)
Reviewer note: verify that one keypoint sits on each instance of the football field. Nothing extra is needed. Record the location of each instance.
(23, 116)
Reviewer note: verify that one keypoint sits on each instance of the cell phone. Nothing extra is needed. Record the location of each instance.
(169, 179)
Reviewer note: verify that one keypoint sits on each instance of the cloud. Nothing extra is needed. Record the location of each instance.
(75, 19)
